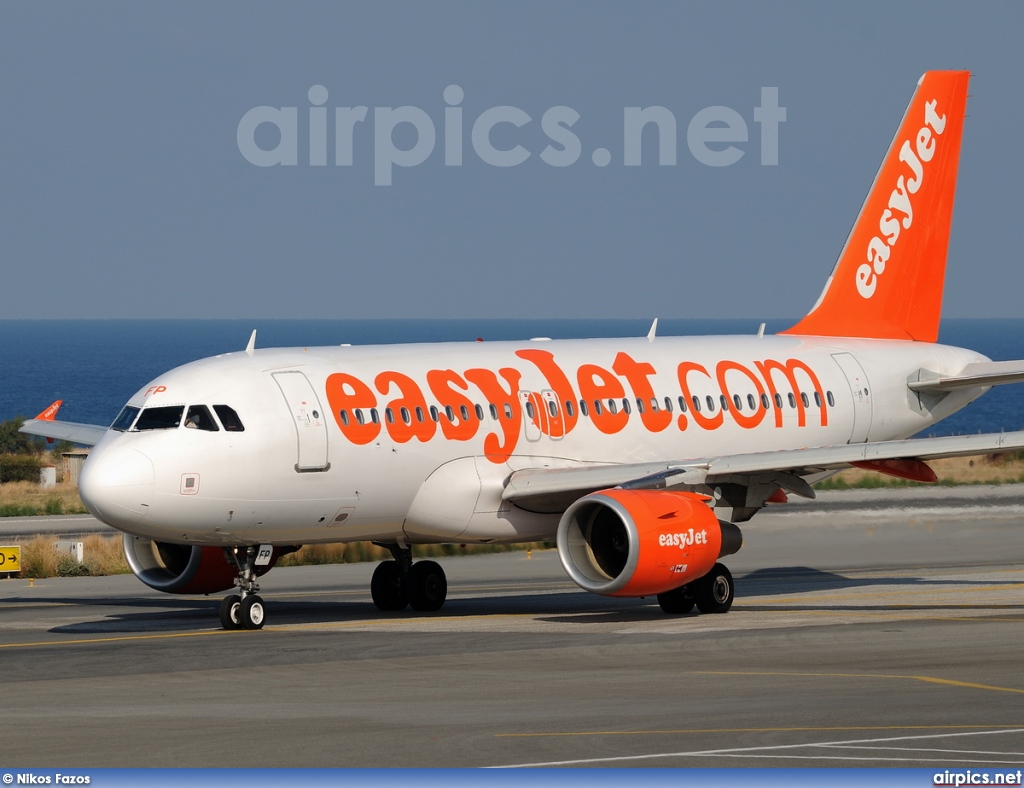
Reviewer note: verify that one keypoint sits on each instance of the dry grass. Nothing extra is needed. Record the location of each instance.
(356, 552)
(102, 555)
(982, 469)
(26, 499)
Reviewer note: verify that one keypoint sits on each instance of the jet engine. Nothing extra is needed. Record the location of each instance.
(183, 568)
(642, 542)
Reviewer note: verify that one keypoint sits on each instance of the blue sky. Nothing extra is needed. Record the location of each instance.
(123, 191)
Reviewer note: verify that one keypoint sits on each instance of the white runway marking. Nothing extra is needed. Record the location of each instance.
(766, 751)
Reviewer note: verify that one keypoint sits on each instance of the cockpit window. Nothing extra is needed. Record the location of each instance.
(199, 418)
(229, 418)
(125, 418)
(166, 418)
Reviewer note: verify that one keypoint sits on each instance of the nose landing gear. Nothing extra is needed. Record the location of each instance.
(245, 610)
(400, 583)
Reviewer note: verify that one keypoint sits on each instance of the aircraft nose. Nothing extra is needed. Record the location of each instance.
(116, 485)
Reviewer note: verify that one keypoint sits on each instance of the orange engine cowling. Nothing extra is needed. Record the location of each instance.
(183, 568)
(641, 542)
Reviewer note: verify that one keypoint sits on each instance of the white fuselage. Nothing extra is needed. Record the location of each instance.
(354, 443)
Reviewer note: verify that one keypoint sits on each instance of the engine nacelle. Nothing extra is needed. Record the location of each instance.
(641, 542)
(183, 568)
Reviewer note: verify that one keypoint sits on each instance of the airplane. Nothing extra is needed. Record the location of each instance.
(639, 457)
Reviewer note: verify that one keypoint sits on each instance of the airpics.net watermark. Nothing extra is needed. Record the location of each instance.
(713, 135)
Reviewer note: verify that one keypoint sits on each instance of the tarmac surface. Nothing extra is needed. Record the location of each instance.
(875, 628)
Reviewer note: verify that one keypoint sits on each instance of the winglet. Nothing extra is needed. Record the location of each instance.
(50, 414)
(887, 283)
(251, 347)
(654, 330)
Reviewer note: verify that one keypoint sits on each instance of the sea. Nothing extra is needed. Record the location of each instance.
(94, 366)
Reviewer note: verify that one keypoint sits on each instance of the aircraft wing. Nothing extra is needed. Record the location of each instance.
(550, 488)
(85, 434)
(983, 373)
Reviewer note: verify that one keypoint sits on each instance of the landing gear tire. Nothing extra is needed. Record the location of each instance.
(715, 591)
(229, 608)
(386, 587)
(251, 612)
(677, 601)
(426, 586)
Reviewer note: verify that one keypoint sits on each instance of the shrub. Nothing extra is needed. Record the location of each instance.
(19, 468)
(68, 566)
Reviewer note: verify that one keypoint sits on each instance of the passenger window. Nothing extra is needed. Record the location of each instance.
(450, 413)
(552, 409)
(199, 418)
(803, 398)
(792, 400)
(682, 403)
(817, 398)
(479, 412)
(751, 402)
(508, 411)
(830, 398)
(389, 415)
(598, 410)
(724, 401)
(654, 404)
(625, 406)
(711, 403)
(696, 403)
(612, 407)
(166, 418)
(419, 414)
(434, 415)
(374, 416)
(529, 409)
(344, 417)
(494, 411)
(406, 418)
(765, 402)
(228, 418)
(668, 404)
(569, 409)
(464, 412)
(778, 401)
(360, 419)
(125, 418)
(583, 408)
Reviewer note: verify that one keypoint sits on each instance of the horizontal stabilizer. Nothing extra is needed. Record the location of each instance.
(984, 373)
(85, 434)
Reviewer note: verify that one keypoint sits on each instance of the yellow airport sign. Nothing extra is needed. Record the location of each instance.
(10, 559)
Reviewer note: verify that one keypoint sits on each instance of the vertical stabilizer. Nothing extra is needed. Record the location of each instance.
(887, 283)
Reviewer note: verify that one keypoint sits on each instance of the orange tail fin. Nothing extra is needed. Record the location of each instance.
(887, 283)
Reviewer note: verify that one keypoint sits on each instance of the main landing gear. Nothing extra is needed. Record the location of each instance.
(713, 593)
(245, 610)
(398, 583)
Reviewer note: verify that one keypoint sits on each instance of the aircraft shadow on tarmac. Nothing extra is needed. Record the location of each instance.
(176, 614)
